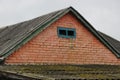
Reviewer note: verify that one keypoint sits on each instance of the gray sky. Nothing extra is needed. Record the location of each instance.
(104, 15)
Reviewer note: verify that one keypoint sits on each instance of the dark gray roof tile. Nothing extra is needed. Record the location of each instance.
(113, 42)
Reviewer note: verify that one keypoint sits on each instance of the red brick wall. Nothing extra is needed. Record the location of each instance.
(47, 47)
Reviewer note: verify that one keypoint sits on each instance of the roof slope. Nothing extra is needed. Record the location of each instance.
(113, 42)
(14, 36)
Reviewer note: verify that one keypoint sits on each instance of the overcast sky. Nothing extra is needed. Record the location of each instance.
(104, 15)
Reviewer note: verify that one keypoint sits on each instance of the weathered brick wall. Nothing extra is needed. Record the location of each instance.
(47, 47)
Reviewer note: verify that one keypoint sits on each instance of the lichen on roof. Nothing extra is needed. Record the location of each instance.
(65, 71)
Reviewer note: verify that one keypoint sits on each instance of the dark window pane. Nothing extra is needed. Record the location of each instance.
(66, 32)
(70, 33)
(62, 32)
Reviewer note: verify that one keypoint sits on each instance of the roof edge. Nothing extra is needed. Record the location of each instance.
(95, 33)
(37, 31)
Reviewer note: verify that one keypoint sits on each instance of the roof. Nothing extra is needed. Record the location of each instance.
(14, 36)
(36, 72)
(113, 42)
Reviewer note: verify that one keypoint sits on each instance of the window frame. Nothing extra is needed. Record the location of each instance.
(66, 29)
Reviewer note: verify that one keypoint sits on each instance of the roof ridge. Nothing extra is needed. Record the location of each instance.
(34, 18)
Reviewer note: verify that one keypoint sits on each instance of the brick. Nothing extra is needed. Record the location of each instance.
(48, 48)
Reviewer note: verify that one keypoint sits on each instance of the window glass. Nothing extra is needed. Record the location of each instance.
(62, 32)
(66, 32)
(70, 33)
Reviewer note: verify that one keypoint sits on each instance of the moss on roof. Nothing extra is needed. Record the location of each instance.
(65, 71)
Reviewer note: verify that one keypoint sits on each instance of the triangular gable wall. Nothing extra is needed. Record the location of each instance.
(48, 48)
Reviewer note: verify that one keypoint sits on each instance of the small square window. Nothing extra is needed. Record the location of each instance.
(66, 32)
(62, 32)
(70, 33)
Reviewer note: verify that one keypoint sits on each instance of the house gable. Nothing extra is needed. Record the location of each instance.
(14, 37)
(48, 47)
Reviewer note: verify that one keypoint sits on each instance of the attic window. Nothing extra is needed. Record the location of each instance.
(62, 32)
(66, 32)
